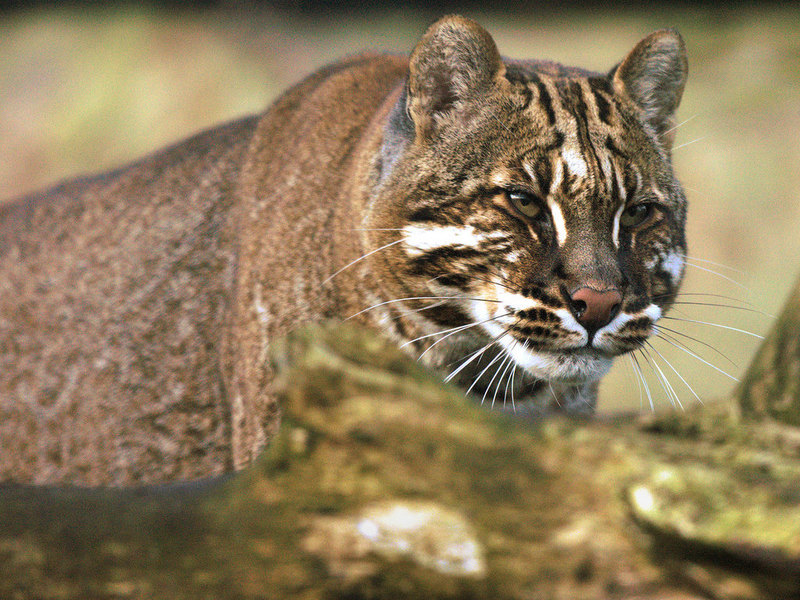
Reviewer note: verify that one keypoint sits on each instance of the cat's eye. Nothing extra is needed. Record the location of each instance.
(636, 215)
(525, 203)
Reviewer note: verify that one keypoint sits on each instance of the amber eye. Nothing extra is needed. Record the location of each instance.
(635, 215)
(524, 203)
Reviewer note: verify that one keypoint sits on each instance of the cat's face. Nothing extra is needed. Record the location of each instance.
(544, 204)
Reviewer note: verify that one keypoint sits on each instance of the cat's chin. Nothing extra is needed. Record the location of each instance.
(573, 366)
(577, 367)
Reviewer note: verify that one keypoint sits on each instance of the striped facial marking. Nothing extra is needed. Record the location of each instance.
(674, 264)
(559, 223)
(424, 238)
(574, 162)
(628, 330)
(528, 201)
(562, 333)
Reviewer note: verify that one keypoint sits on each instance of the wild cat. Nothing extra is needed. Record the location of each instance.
(515, 224)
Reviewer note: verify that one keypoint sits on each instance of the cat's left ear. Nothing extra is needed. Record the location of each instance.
(653, 76)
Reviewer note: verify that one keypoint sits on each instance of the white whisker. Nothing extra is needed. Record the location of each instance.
(710, 295)
(637, 378)
(513, 404)
(496, 118)
(466, 362)
(750, 333)
(688, 143)
(702, 360)
(477, 354)
(713, 272)
(643, 380)
(453, 329)
(379, 304)
(711, 262)
(669, 364)
(662, 379)
(506, 358)
(715, 305)
(723, 297)
(681, 124)
(458, 330)
(553, 393)
(360, 258)
(662, 329)
(500, 381)
(494, 360)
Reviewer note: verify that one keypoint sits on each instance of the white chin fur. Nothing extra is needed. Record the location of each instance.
(571, 367)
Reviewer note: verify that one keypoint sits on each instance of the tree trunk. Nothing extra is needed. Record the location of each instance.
(385, 483)
(771, 387)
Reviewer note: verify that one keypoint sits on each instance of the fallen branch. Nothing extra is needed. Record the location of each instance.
(385, 483)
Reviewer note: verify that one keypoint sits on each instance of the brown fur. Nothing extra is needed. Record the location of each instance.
(137, 307)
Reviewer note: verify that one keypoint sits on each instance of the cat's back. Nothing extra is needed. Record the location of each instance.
(92, 272)
(117, 290)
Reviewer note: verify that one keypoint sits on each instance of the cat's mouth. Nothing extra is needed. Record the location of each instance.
(551, 344)
(573, 365)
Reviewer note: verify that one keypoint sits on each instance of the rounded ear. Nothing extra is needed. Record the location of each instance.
(455, 59)
(653, 76)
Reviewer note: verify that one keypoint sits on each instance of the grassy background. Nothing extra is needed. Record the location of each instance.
(84, 91)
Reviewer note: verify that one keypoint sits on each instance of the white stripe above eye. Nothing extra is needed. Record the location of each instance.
(559, 223)
(421, 239)
(615, 228)
(624, 195)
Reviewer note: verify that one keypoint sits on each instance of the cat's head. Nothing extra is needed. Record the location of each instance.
(541, 198)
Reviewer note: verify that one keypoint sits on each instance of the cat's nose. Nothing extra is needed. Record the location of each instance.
(595, 308)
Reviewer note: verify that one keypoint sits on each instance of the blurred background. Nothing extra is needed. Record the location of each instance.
(84, 88)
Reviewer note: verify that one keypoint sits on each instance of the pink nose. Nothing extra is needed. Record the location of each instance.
(595, 308)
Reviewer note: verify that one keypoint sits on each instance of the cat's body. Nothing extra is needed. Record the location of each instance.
(526, 204)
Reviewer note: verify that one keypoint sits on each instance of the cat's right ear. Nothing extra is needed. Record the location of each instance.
(456, 59)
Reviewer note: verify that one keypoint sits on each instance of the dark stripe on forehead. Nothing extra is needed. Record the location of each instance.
(603, 108)
(557, 143)
(527, 95)
(581, 115)
(424, 213)
(545, 147)
(544, 173)
(440, 210)
(546, 102)
(611, 146)
(454, 280)
(601, 84)
(567, 181)
(453, 252)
